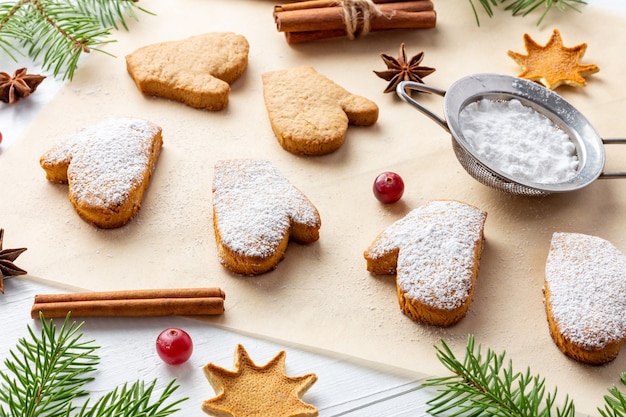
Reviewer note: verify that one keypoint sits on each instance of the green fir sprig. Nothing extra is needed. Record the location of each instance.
(485, 384)
(488, 386)
(615, 401)
(56, 33)
(46, 374)
(525, 7)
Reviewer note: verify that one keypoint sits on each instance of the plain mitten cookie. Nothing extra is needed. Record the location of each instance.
(309, 113)
(196, 71)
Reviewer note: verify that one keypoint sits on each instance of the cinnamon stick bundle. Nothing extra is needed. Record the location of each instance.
(322, 19)
(131, 303)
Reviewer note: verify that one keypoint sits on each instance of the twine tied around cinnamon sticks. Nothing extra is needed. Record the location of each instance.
(131, 303)
(358, 13)
(322, 19)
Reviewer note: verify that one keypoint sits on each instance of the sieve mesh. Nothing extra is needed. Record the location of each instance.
(489, 178)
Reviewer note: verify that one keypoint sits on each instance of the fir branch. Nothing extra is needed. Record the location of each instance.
(111, 13)
(614, 401)
(525, 7)
(488, 386)
(8, 28)
(133, 400)
(47, 372)
(56, 33)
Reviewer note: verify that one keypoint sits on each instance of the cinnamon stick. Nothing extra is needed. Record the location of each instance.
(131, 303)
(425, 20)
(313, 35)
(400, 15)
(311, 4)
(323, 19)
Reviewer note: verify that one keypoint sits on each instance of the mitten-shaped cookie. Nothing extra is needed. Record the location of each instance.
(435, 251)
(197, 71)
(585, 297)
(309, 113)
(256, 211)
(108, 167)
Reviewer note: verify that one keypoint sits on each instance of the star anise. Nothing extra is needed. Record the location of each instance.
(399, 69)
(18, 86)
(7, 267)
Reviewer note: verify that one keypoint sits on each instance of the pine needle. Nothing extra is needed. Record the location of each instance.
(56, 33)
(525, 7)
(485, 384)
(615, 401)
(47, 372)
(488, 386)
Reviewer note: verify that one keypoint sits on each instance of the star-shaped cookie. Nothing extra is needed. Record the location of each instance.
(257, 391)
(553, 64)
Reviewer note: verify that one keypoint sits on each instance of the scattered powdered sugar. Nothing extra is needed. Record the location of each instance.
(519, 141)
(107, 160)
(255, 205)
(437, 246)
(586, 277)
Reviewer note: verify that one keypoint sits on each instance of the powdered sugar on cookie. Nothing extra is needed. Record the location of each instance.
(107, 165)
(586, 280)
(256, 210)
(436, 249)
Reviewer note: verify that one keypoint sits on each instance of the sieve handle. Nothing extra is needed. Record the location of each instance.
(613, 141)
(401, 91)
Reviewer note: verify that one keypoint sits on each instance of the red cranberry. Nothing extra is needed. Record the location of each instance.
(388, 187)
(174, 346)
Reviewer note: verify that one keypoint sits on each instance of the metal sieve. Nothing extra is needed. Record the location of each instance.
(589, 145)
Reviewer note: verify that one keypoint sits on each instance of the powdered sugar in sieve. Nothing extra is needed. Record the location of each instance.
(518, 141)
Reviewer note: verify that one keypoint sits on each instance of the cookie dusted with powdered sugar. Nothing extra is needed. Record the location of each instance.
(585, 297)
(256, 211)
(435, 253)
(108, 167)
